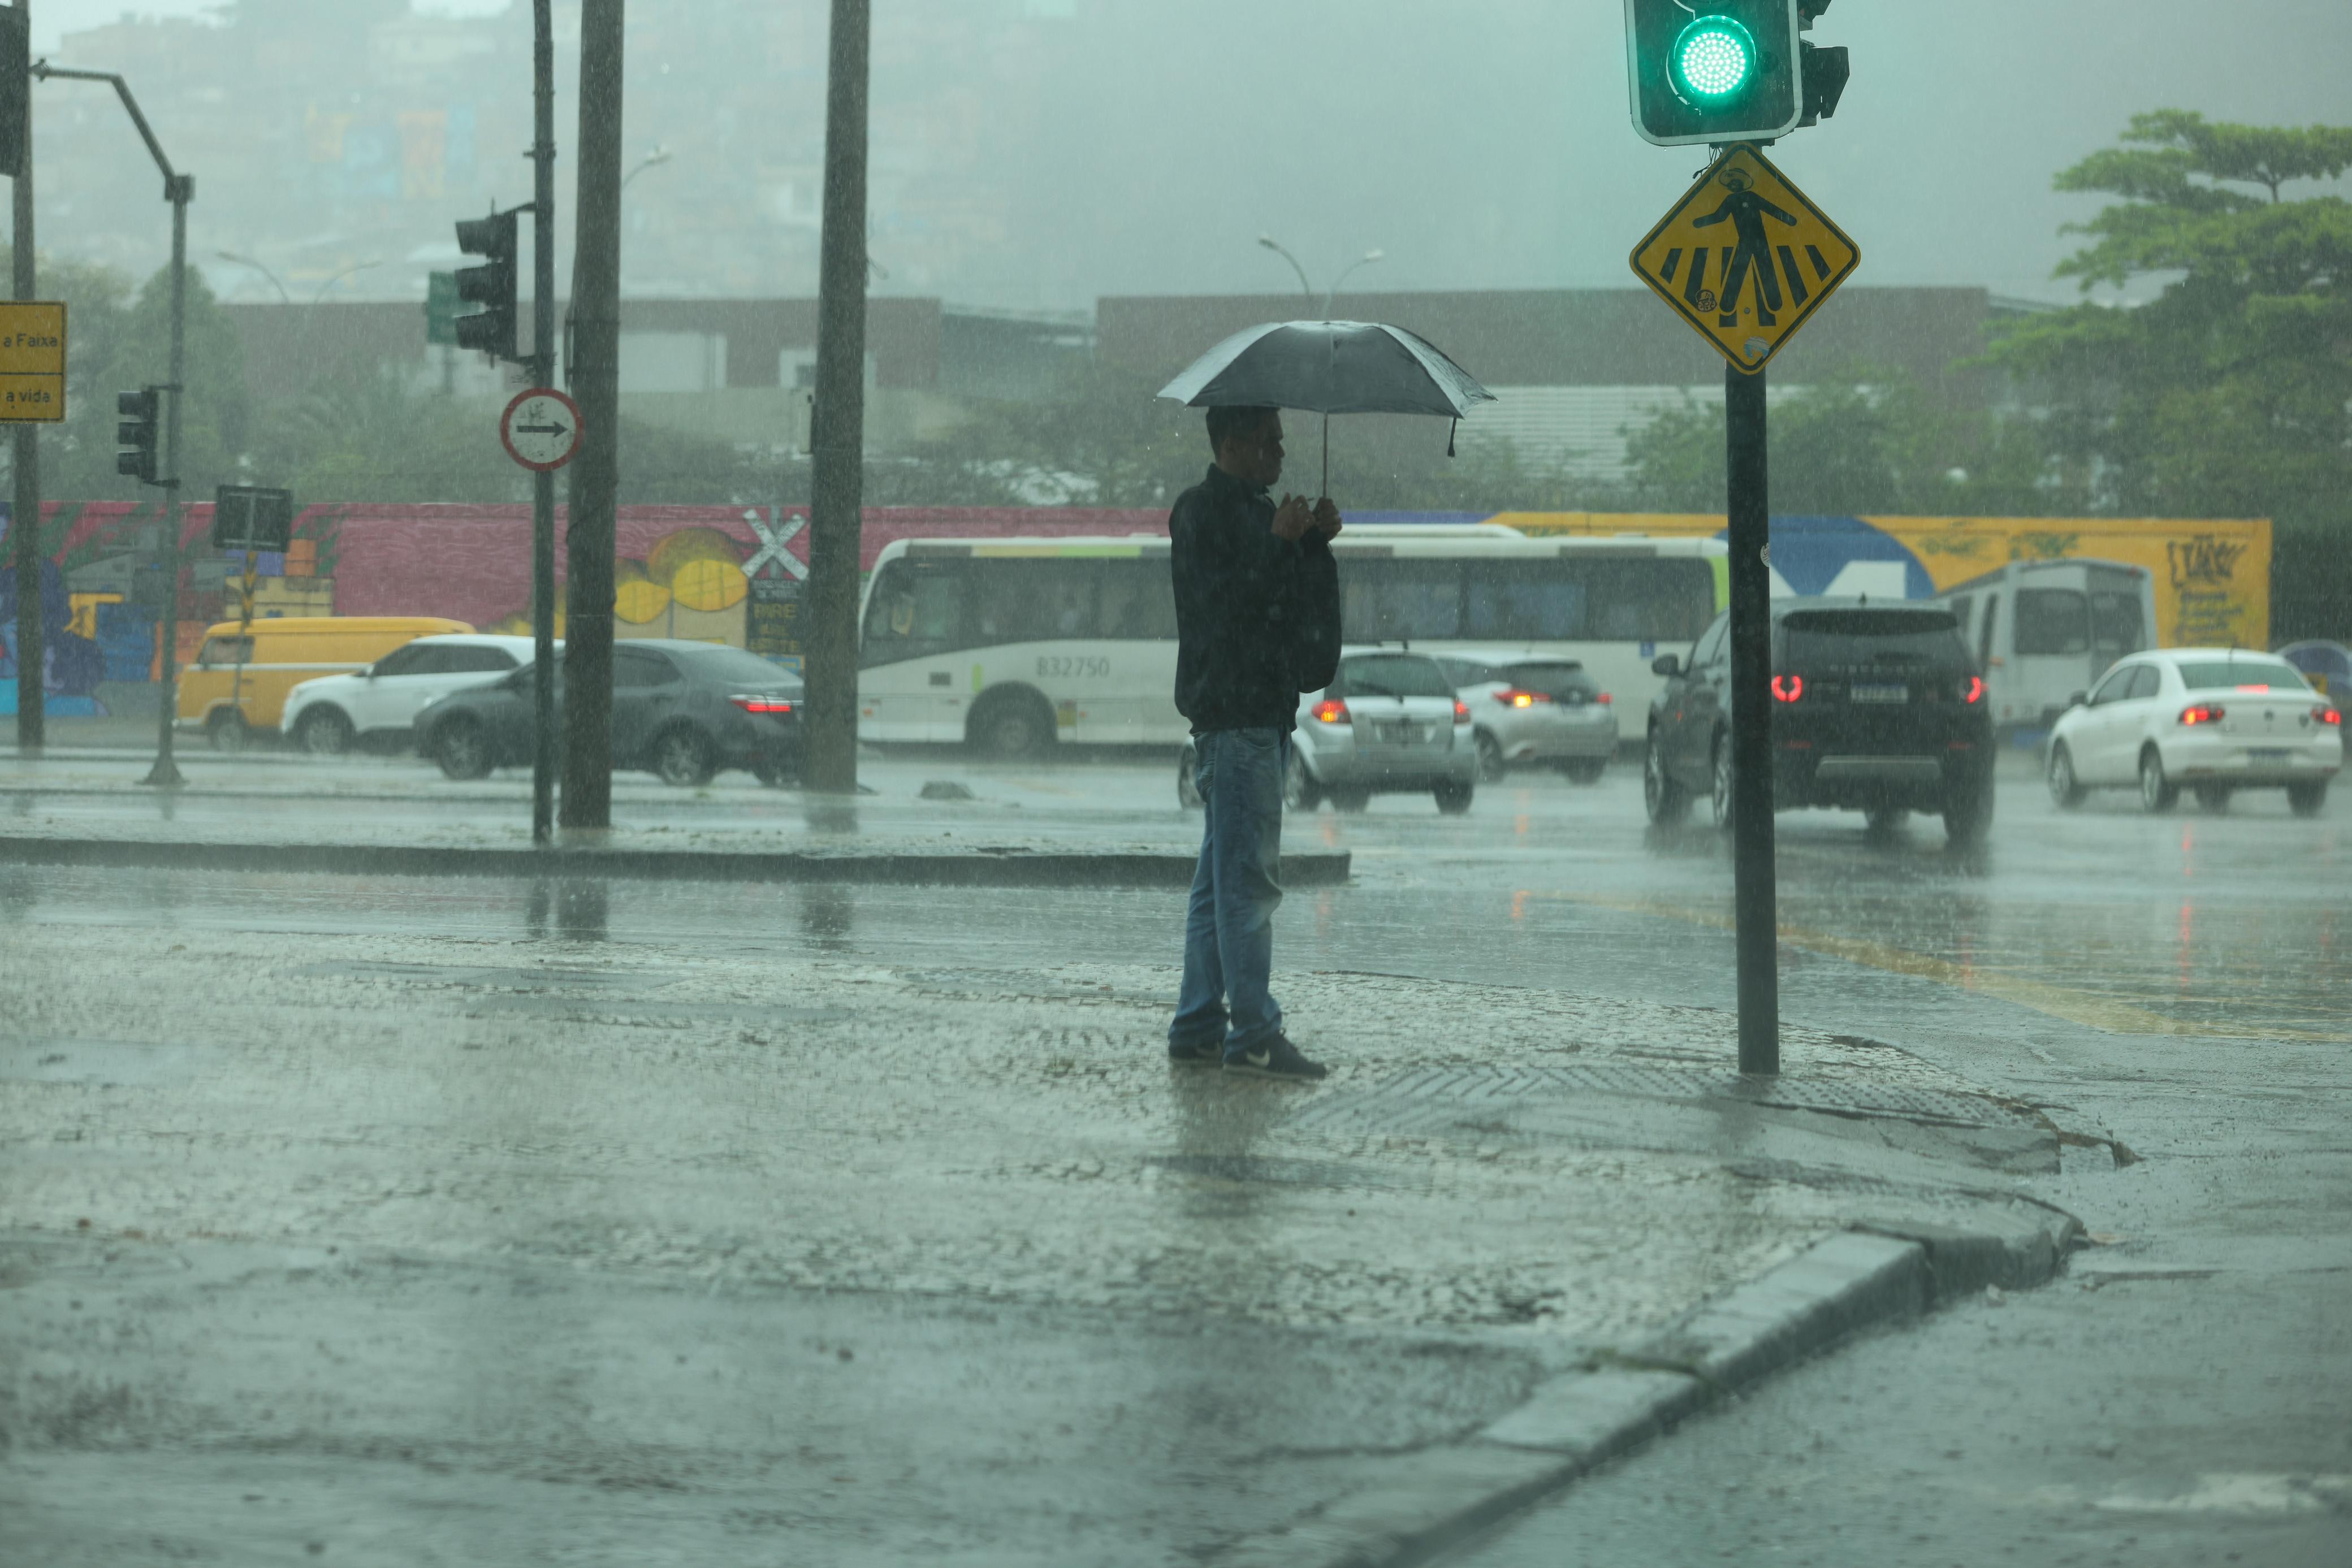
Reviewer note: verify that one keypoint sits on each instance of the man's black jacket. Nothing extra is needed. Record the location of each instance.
(1257, 617)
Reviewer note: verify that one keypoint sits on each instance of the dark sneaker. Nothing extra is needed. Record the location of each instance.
(1273, 1058)
(1196, 1053)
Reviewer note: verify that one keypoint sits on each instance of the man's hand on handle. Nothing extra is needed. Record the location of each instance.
(1326, 519)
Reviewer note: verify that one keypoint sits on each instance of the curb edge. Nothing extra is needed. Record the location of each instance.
(978, 869)
(1869, 1275)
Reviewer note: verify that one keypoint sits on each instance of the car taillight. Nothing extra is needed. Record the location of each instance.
(1788, 688)
(1972, 689)
(2327, 716)
(2203, 713)
(1603, 699)
(1514, 696)
(761, 704)
(1461, 711)
(1330, 710)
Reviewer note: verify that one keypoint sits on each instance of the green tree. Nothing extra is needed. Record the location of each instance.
(118, 339)
(2231, 394)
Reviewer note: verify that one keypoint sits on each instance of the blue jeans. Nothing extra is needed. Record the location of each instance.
(1229, 922)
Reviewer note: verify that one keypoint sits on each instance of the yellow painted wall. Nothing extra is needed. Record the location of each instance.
(2212, 576)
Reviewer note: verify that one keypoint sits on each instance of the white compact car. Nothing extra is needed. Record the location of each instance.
(376, 706)
(2216, 720)
(1533, 710)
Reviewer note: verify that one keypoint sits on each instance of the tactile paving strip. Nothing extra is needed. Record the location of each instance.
(1428, 1096)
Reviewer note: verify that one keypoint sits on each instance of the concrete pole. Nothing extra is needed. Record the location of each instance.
(1755, 896)
(838, 422)
(25, 507)
(178, 189)
(596, 384)
(543, 372)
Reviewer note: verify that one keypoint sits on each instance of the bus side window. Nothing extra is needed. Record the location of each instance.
(913, 613)
(1139, 601)
(1528, 601)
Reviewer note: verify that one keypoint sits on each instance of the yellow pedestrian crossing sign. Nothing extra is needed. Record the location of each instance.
(1745, 258)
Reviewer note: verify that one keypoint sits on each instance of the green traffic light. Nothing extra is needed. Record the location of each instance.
(1713, 59)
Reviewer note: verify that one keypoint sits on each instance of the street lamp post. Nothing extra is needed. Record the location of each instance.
(338, 277)
(658, 156)
(1304, 286)
(275, 281)
(1367, 259)
(179, 190)
(1307, 288)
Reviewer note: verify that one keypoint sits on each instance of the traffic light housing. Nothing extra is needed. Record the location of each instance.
(491, 285)
(135, 432)
(1717, 70)
(15, 91)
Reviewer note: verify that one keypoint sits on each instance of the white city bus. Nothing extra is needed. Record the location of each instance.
(1011, 645)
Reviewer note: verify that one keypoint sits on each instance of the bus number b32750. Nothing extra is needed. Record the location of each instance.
(1050, 668)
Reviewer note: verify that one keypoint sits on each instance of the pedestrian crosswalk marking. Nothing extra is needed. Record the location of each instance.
(1749, 296)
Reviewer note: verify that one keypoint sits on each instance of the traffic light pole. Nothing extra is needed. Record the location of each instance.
(837, 422)
(24, 510)
(1755, 897)
(596, 384)
(543, 369)
(179, 190)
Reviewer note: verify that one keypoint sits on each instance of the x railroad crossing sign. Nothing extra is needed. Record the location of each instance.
(773, 541)
(1745, 258)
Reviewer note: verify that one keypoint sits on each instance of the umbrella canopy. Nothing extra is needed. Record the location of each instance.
(1330, 367)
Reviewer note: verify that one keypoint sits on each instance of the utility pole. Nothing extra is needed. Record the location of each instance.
(25, 507)
(543, 372)
(179, 190)
(838, 422)
(596, 381)
(1755, 897)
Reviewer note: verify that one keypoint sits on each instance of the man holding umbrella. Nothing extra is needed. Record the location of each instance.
(1257, 623)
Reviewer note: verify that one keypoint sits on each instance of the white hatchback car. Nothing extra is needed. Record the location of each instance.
(1389, 723)
(2215, 720)
(377, 705)
(1533, 709)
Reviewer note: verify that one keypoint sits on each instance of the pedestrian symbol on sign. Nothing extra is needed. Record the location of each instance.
(1749, 296)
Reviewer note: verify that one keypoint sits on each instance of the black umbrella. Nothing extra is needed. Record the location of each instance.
(1328, 368)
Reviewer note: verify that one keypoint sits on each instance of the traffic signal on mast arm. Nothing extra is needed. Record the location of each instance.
(1715, 71)
(491, 285)
(135, 435)
(1824, 72)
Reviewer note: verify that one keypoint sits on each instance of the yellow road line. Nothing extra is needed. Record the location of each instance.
(2086, 1007)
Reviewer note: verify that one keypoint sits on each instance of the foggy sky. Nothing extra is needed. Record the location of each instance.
(1485, 144)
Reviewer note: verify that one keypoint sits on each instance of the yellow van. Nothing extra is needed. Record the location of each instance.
(239, 683)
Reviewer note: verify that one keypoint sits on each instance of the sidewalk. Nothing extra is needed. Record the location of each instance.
(926, 821)
(521, 1252)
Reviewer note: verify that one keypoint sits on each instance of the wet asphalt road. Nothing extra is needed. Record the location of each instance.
(2175, 985)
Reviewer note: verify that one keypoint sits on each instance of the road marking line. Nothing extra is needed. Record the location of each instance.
(2084, 1008)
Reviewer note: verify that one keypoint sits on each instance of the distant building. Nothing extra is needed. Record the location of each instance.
(1574, 368)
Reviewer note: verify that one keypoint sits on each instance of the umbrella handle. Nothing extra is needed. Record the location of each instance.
(1326, 491)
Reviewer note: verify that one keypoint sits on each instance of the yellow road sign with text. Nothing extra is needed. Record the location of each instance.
(32, 360)
(1745, 258)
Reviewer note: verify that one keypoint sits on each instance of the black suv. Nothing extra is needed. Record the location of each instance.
(1876, 707)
